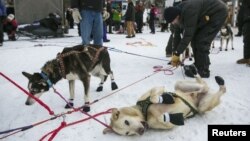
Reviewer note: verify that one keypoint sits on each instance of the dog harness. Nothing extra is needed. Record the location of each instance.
(192, 109)
(94, 59)
(144, 105)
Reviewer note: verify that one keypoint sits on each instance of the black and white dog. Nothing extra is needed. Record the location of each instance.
(73, 63)
(226, 34)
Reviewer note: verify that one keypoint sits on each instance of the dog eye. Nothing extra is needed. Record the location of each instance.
(126, 122)
(127, 133)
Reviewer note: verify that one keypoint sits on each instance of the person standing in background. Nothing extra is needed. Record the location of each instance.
(110, 19)
(105, 15)
(130, 19)
(2, 18)
(10, 7)
(139, 16)
(152, 17)
(91, 23)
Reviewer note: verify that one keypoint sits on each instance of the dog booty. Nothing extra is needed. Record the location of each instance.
(167, 98)
(176, 119)
(190, 70)
(219, 80)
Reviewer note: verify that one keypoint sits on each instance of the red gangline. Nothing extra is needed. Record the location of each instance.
(64, 125)
(30, 95)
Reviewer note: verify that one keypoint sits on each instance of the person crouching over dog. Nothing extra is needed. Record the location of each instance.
(10, 26)
(200, 20)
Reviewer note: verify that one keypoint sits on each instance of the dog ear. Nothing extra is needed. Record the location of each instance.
(115, 114)
(26, 74)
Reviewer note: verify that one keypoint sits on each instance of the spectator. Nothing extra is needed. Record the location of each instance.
(130, 19)
(200, 21)
(246, 34)
(110, 19)
(91, 23)
(2, 18)
(240, 19)
(139, 16)
(105, 15)
(69, 18)
(152, 17)
(77, 18)
(117, 17)
(10, 26)
(10, 7)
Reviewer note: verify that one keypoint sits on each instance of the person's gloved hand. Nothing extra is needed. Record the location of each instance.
(175, 61)
(76, 15)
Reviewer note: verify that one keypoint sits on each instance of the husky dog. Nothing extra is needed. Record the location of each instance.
(73, 63)
(226, 34)
(159, 109)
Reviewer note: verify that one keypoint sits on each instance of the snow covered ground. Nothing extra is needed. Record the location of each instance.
(30, 56)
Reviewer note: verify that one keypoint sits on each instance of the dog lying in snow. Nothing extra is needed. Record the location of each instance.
(159, 109)
(73, 63)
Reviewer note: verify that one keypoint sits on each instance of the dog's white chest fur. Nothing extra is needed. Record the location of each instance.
(72, 76)
(98, 70)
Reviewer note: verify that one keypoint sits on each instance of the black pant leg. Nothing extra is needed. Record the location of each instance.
(246, 40)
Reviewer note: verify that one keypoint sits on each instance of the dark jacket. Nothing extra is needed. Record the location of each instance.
(194, 15)
(96, 5)
(246, 11)
(130, 13)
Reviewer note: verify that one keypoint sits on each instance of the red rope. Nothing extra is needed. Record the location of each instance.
(30, 95)
(63, 125)
(81, 110)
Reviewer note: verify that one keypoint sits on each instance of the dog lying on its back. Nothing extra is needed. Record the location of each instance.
(73, 63)
(159, 109)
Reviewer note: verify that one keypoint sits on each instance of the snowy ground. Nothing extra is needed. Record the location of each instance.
(30, 56)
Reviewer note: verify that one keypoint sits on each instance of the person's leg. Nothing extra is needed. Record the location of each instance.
(246, 40)
(97, 28)
(86, 25)
(1, 30)
(203, 39)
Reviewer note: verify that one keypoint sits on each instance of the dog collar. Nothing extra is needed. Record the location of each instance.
(45, 77)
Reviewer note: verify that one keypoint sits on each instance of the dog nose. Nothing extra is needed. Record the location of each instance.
(141, 131)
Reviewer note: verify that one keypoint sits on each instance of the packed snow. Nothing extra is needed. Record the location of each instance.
(132, 61)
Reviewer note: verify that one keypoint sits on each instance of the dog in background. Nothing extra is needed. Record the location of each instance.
(159, 109)
(73, 63)
(226, 35)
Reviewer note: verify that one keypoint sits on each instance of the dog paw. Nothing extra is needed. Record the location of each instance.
(219, 80)
(69, 105)
(114, 86)
(99, 89)
(176, 119)
(86, 108)
(167, 98)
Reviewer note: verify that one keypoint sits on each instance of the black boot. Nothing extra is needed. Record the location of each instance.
(204, 73)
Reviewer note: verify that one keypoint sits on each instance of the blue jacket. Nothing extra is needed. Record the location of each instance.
(2, 8)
